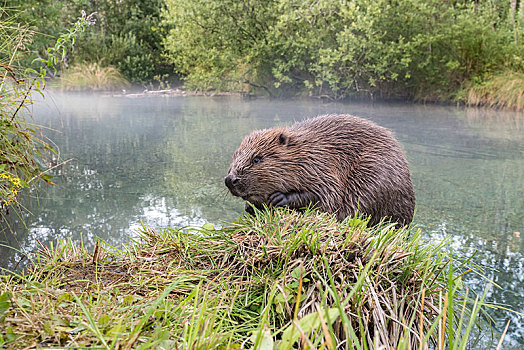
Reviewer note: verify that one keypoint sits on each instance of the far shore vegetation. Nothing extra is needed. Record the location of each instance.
(278, 280)
(467, 52)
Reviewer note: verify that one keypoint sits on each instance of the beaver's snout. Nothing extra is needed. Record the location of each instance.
(231, 181)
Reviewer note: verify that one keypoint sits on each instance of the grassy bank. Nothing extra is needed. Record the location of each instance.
(504, 90)
(273, 281)
(92, 77)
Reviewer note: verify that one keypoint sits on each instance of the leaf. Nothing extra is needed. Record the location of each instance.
(66, 297)
(102, 320)
(307, 324)
(459, 283)
(5, 302)
(78, 329)
(265, 340)
(280, 298)
(279, 308)
(24, 303)
(167, 344)
(59, 321)
(10, 334)
(208, 226)
(297, 272)
(23, 183)
(48, 328)
(116, 330)
(47, 178)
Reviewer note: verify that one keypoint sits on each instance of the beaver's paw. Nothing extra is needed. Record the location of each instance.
(279, 199)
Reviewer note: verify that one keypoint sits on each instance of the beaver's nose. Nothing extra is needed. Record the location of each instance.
(231, 181)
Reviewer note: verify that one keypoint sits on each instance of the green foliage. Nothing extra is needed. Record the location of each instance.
(128, 34)
(131, 57)
(18, 143)
(57, 54)
(407, 48)
(219, 44)
(21, 149)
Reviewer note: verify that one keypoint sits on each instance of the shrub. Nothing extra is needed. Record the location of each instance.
(401, 49)
(132, 57)
(219, 44)
(128, 34)
(21, 150)
(19, 145)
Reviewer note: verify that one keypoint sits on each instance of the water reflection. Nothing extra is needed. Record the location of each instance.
(162, 161)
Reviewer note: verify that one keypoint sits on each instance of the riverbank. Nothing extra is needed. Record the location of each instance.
(272, 280)
(499, 93)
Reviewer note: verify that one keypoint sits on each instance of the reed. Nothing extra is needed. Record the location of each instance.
(505, 90)
(93, 76)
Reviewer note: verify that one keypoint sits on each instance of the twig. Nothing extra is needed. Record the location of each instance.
(53, 167)
(24, 99)
(503, 335)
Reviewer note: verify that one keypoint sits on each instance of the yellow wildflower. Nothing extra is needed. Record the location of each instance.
(12, 190)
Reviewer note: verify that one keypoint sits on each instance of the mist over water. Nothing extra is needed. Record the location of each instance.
(162, 161)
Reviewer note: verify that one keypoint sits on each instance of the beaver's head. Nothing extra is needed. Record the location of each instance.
(263, 164)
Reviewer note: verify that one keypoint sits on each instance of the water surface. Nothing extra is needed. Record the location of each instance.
(162, 161)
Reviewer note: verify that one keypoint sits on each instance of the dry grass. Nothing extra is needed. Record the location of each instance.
(505, 90)
(93, 76)
(278, 279)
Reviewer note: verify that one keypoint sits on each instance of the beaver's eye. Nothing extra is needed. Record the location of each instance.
(256, 160)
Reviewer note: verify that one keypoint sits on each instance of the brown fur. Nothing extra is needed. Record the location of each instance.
(341, 162)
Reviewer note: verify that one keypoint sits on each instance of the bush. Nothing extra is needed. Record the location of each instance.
(128, 34)
(132, 58)
(219, 44)
(401, 49)
(18, 143)
(21, 150)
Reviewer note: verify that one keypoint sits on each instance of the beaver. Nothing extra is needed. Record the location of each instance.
(341, 163)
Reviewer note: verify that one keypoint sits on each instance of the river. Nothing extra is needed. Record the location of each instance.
(162, 161)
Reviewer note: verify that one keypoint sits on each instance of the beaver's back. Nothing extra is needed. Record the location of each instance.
(369, 162)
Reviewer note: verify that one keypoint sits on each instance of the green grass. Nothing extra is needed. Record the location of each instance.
(505, 90)
(277, 280)
(92, 76)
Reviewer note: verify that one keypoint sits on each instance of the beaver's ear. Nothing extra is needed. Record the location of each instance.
(283, 139)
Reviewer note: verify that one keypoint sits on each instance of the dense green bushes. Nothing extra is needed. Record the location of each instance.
(425, 50)
(392, 49)
(18, 144)
(128, 34)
